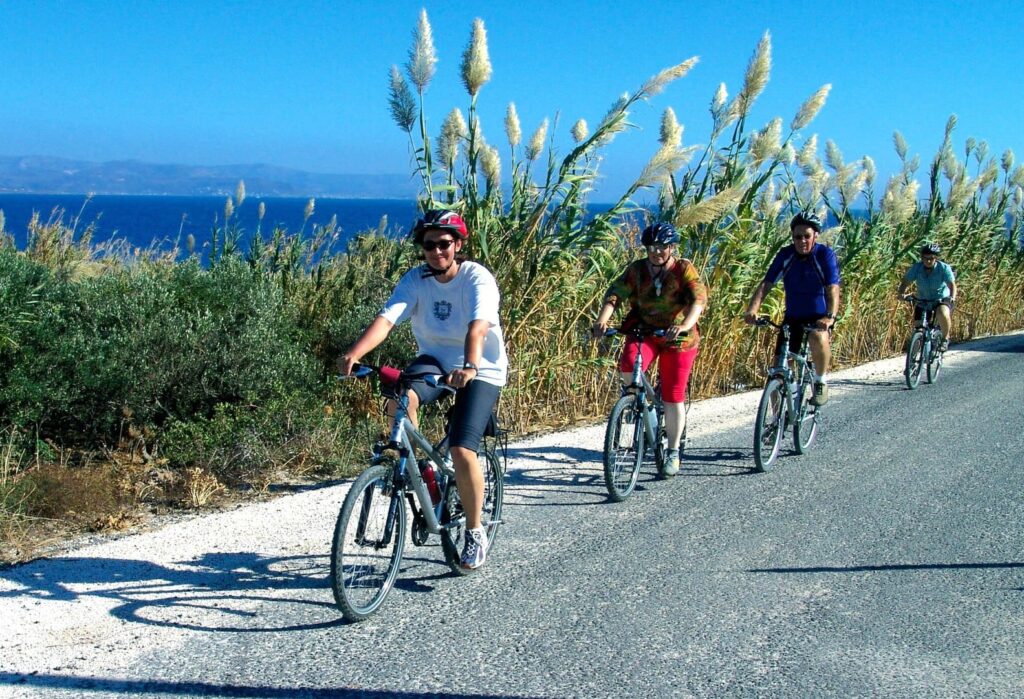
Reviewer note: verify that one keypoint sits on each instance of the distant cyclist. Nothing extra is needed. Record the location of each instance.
(935, 282)
(809, 271)
(453, 306)
(663, 292)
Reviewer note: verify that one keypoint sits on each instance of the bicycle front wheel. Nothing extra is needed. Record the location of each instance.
(934, 362)
(623, 448)
(805, 427)
(770, 424)
(368, 540)
(915, 360)
(490, 514)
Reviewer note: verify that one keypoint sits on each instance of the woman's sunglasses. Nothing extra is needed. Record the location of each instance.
(442, 245)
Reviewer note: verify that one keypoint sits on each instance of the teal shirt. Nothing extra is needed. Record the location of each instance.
(933, 285)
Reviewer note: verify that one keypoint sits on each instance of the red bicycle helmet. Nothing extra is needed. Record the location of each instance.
(440, 219)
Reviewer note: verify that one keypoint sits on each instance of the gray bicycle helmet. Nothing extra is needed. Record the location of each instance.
(806, 218)
(660, 233)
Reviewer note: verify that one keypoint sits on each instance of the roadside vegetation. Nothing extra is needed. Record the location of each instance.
(134, 381)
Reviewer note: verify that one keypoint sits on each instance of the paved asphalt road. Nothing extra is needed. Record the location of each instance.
(889, 561)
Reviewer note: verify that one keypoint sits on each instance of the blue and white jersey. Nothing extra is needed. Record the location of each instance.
(804, 279)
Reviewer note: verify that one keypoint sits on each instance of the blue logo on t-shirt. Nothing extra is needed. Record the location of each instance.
(442, 310)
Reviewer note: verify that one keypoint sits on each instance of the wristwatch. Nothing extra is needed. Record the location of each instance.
(471, 365)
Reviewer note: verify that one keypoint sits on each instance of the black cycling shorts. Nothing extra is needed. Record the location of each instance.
(796, 331)
(919, 311)
(470, 417)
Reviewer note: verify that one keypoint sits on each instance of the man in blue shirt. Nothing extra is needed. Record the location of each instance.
(809, 272)
(935, 282)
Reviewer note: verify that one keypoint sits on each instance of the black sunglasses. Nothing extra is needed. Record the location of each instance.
(442, 245)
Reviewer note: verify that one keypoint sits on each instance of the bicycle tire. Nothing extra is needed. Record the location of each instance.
(623, 448)
(770, 425)
(363, 569)
(659, 452)
(805, 426)
(912, 370)
(490, 515)
(934, 362)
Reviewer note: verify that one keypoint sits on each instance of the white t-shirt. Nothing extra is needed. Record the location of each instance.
(441, 314)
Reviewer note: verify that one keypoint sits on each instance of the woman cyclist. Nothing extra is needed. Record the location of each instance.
(453, 306)
(664, 292)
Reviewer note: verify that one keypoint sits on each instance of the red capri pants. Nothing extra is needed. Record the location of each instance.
(674, 364)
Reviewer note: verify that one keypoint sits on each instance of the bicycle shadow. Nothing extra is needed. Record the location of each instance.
(717, 462)
(894, 384)
(566, 470)
(232, 589)
(150, 686)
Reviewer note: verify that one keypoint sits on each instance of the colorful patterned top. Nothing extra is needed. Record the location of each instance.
(659, 308)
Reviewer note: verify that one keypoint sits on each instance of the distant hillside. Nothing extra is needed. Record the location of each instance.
(43, 175)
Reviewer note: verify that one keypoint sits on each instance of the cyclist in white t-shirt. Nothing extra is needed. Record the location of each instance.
(452, 304)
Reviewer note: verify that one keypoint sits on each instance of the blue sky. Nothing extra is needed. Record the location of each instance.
(304, 84)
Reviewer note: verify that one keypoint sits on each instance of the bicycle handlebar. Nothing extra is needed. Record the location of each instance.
(910, 298)
(391, 375)
(764, 321)
(610, 332)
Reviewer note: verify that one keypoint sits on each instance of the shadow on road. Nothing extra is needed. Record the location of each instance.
(717, 462)
(1010, 344)
(227, 592)
(570, 470)
(895, 384)
(209, 689)
(889, 567)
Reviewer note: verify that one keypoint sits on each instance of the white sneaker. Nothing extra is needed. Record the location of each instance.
(474, 553)
(671, 466)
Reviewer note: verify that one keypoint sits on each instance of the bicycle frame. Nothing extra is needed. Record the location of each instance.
(648, 399)
(405, 439)
(927, 322)
(794, 379)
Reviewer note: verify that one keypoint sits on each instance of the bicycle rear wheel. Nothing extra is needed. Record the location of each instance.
(366, 552)
(935, 360)
(770, 424)
(805, 427)
(623, 448)
(915, 360)
(490, 515)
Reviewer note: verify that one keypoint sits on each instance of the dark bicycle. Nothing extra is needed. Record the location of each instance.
(924, 349)
(366, 552)
(785, 401)
(636, 427)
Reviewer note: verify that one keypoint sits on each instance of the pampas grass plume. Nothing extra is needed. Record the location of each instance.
(809, 109)
(671, 130)
(512, 129)
(536, 145)
(476, 63)
(580, 131)
(422, 56)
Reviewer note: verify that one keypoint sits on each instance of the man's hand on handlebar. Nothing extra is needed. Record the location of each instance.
(460, 378)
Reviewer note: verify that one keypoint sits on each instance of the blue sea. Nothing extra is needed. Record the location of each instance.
(144, 221)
